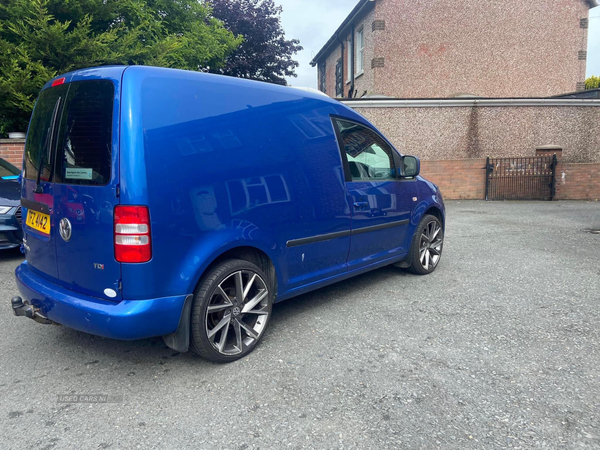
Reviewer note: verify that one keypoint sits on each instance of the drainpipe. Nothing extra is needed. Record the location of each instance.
(352, 53)
(342, 44)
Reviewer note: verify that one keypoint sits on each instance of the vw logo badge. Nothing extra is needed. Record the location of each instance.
(236, 311)
(65, 229)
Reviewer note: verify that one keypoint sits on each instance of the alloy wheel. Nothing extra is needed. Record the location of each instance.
(237, 312)
(430, 245)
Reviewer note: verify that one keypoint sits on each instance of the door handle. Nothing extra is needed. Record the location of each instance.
(361, 205)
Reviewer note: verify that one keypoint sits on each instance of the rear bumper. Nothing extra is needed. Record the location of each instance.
(126, 320)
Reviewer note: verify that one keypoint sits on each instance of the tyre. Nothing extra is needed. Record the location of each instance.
(427, 245)
(231, 311)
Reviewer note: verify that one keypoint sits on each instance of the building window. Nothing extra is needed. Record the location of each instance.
(323, 77)
(360, 51)
(349, 59)
(339, 79)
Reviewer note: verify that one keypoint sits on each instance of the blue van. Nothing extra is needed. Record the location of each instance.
(161, 202)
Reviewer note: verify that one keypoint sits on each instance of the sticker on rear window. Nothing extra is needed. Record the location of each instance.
(76, 173)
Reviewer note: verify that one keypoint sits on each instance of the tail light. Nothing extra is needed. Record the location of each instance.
(132, 234)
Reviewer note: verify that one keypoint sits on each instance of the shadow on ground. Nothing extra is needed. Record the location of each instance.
(285, 314)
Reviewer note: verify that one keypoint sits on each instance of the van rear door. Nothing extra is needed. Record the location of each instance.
(37, 191)
(84, 187)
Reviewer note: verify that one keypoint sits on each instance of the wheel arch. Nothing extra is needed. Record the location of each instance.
(434, 210)
(244, 251)
(180, 339)
(247, 253)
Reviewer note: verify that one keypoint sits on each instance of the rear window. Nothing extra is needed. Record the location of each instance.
(37, 146)
(83, 154)
(75, 148)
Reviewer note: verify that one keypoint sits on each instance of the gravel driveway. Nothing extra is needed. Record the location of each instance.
(499, 348)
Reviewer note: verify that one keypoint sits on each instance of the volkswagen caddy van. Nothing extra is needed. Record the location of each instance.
(160, 202)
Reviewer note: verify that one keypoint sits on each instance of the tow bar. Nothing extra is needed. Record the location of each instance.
(24, 309)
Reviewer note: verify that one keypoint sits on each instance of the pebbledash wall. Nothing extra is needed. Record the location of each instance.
(476, 128)
(452, 137)
(436, 48)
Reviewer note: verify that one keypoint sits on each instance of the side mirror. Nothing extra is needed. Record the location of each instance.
(410, 167)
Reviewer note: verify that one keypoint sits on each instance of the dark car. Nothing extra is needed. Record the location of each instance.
(11, 233)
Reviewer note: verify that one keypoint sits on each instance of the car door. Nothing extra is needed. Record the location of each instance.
(382, 202)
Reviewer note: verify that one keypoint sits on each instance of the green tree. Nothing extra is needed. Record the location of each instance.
(40, 39)
(592, 82)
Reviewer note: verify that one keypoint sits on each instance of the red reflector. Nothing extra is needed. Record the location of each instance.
(132, 234)
(58, 81)
(133, 253)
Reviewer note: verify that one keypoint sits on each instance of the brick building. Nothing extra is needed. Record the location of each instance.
(436, 48)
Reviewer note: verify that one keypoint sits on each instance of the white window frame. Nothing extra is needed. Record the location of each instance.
(349, 59)
(360, 52)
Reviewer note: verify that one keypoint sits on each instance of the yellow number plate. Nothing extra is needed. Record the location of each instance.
(38, 221)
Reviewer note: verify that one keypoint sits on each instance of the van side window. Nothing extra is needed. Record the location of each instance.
(370, 158)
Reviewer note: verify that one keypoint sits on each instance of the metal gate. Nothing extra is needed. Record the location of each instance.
(520, 178)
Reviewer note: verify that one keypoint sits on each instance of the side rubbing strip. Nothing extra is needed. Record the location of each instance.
(339, 234)
(383, 226)
(318, 238)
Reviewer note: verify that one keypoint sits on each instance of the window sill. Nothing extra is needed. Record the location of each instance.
(359, 75)
(348, 81)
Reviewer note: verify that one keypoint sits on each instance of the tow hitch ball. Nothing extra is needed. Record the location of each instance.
(21, 308)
